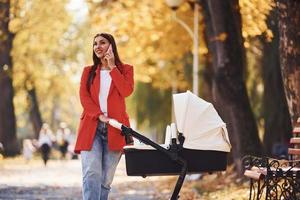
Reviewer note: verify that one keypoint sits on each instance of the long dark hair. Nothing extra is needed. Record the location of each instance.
(97, 60)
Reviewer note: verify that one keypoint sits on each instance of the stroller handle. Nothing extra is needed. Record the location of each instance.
(114, 123)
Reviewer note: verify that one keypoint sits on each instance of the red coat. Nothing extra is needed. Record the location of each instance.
(121, 87)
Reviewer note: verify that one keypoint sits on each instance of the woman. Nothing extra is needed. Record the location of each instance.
(103, 89)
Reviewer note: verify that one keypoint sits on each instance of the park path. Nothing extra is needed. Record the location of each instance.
(62, 180)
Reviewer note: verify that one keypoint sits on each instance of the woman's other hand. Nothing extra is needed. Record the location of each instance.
(103, 118)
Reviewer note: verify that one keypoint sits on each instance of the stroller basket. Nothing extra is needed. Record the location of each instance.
(158, 164)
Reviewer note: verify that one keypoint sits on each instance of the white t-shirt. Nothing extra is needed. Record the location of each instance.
(45, 137)
(105, 81)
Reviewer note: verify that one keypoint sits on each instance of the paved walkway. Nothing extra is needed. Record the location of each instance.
(62, 180)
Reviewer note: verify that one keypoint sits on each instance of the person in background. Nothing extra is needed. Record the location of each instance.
(28, 150)
(63, 135)
(103, 88)
(45, 141)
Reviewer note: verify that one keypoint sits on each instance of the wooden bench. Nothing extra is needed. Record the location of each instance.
(275, 179)
(294, 151)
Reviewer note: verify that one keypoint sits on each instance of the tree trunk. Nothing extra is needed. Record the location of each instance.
(34, 113)
(229, 90)
(7, 116)
(207, 69)
(276, 113)
(289, 50)
(207, 79)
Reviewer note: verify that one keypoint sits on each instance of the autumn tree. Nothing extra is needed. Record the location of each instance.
(7, 115)
(229, 89)
(42, 56)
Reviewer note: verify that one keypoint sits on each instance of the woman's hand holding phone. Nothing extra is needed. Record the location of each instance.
(110, 58)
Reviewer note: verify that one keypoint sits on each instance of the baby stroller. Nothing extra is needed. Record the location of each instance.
(201, 145)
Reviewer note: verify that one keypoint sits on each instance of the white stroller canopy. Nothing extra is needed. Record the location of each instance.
(200, 123)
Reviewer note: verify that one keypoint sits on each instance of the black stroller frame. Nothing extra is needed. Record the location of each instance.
(172, 153)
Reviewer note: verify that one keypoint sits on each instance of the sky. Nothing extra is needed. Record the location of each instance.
(79, 9)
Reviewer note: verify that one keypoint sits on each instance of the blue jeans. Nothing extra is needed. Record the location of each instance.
(98, 166)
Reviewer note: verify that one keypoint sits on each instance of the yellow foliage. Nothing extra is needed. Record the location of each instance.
(221, 37)
(254, 14)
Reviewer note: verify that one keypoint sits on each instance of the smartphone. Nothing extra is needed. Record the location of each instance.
(109, 49)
